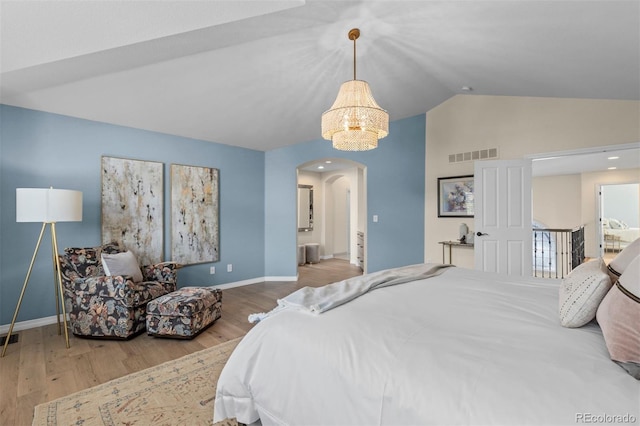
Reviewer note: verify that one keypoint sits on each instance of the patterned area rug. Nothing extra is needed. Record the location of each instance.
(179, 392)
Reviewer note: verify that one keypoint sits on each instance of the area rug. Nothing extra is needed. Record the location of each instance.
(179, 392)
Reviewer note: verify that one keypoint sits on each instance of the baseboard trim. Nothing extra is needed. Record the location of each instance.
(25, 325)
(283, 278)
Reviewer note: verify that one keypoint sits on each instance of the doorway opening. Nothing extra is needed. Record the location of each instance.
(339, 213)
(619, 217)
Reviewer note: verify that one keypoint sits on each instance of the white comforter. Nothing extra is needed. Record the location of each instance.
(460, 348)
(626, 235)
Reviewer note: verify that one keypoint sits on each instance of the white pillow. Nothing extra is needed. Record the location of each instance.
(122, 264)
(615, 224)
(582, 291)
(623, 259)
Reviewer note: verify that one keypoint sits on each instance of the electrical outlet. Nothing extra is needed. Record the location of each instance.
(229, 267)
(212, 270)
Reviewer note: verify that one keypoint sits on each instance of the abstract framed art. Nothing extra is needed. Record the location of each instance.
(455, 196)
(133, 206)
(194, 214)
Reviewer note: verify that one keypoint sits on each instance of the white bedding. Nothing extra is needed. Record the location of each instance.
(460, 348)
(626, 235)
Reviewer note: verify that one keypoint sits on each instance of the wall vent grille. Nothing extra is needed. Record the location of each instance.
(481, 154)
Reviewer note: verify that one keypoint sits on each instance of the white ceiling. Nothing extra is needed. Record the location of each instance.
(259, 74)
(594, 160)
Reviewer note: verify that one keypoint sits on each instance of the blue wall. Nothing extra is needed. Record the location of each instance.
(257, 198)
(39, 149)
(395, 192)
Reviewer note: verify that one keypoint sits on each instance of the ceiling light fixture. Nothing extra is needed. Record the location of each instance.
(355, 121)
(612, 158)
(612, 168)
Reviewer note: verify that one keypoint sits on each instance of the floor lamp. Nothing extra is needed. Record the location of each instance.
(47, 205)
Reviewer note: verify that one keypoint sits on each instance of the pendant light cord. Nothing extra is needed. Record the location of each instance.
(353, 35)
(354, 58)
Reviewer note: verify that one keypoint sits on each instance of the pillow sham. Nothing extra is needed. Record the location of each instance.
(615, 224)
(619, 263)
(122, 264)
(619, 319)
(582, 291)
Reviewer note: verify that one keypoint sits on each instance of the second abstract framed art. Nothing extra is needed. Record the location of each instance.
(194, 214)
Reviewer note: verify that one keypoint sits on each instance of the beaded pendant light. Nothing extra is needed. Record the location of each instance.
(355, 121)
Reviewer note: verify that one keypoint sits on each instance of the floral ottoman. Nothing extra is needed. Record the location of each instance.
(184, 313)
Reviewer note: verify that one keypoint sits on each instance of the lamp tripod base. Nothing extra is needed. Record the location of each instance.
(57, 279)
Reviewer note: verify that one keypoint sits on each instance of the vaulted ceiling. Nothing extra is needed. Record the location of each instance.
(259, 74)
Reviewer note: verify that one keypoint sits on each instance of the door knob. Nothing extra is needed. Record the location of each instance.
(480, 234)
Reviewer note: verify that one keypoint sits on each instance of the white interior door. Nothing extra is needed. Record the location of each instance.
(503, 217)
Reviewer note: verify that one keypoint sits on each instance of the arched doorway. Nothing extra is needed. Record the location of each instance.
(339, 209)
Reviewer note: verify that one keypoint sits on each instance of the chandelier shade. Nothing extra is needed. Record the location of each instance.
(355, 121)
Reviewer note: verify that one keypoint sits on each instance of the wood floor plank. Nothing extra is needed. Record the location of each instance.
(40, 368)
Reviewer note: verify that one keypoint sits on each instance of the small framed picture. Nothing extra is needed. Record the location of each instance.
(455, 196)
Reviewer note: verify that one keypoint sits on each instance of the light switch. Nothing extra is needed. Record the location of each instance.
(375, 217)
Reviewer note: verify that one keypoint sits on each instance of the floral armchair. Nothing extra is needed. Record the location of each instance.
(109, 306)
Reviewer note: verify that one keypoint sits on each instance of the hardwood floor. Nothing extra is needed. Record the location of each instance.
(39, 368)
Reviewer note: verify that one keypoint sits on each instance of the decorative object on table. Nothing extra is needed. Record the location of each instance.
(111, 306)
(463, 231)
(455, 196)
(47, 206)
(194, 214)
(184, 313)
(133, 206)
(355, 121)
(470, 238)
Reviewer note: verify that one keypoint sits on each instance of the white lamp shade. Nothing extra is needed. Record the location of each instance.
(48, 205)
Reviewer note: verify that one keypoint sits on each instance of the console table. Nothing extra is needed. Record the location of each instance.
(452, 244)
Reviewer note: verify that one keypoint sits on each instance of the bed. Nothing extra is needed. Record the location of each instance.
(460, 347)
(620, 230)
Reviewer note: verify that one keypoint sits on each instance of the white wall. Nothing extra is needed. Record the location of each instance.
(336, 186)
(620, 201)
(557, 201)
(340, 232)
(517, 126)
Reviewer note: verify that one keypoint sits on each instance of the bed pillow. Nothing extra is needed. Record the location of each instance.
(582, 291)
(615, 224)
(122, 264)
(623, 259)
(619, 319)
